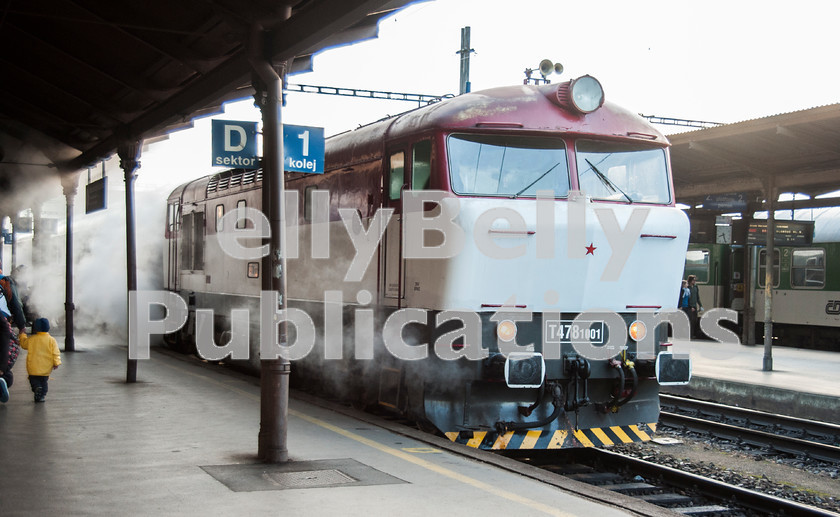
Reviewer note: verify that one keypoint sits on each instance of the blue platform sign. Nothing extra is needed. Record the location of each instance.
(234, 144)
(303, 148)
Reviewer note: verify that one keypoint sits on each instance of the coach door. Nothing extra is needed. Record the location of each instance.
(172, 215)
(395, 181)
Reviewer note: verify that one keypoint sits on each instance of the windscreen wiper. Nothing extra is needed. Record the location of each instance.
(606, 181)
(543, 175)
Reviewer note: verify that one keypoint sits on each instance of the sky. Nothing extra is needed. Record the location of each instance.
(719, 61)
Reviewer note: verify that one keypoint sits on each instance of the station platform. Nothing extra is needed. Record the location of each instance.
(183, 441)
(802, 383)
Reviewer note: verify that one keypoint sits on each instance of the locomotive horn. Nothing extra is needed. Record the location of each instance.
(558, 68)
(546, 67)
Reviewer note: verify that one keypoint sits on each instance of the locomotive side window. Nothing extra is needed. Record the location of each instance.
(192, 245)
(808, 269)
(173, 217)
(396, 175)
(241, 222)
(186, 241)
(697, 264)
(510, 166)
(762, 268)
(421, 165)
(622, 172)
(220, 213)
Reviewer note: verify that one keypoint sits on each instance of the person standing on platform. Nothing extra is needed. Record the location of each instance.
(694, 306)
(683, 295)
(42, 358)
(10, 309)
(683, 303)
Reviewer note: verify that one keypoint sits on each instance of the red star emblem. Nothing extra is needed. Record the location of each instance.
(590, 250)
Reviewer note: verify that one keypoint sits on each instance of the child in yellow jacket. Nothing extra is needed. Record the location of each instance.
(42, 358)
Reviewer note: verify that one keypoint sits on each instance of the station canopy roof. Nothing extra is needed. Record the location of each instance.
(800, 151)
(82, 76)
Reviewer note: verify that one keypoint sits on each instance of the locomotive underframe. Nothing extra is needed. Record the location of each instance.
(454, 396)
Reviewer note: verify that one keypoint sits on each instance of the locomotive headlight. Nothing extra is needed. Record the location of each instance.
(587, 94)
(582, 95)
(637, 330)
(506, 330)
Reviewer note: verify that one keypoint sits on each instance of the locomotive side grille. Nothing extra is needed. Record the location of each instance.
(250, 177)
(211, 185)
(230, 179)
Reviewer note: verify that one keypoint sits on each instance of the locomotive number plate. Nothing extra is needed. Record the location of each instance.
(566, 331)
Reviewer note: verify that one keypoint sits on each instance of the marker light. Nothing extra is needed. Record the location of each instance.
(506, 330)
(583, 94)
(637, 330)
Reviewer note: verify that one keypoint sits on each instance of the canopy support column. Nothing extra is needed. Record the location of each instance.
(129, 153)
(770, 189)
(69, 184)
(274, 372)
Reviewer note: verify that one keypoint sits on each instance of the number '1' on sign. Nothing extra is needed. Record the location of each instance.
(303, 148)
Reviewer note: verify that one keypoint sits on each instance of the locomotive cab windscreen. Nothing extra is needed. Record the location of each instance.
(617, 171)
(509, 166)
(520, 166)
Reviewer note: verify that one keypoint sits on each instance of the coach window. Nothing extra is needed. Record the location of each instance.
(396, 175)
(241, 222)
(253, 269)
(220, 213)
(697, 264)
(421, 165)
(807, 269)
(762, 268)
(307, 202)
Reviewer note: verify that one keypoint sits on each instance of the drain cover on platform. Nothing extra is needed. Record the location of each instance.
(308, 478)
(298, 474)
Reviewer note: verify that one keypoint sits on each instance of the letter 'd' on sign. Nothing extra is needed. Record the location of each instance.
(234, 144)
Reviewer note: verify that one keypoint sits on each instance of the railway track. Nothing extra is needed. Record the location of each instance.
(678, 491)
(692, 494)
(768, 431)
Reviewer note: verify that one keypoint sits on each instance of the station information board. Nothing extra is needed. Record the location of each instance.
(788, 233)
(96, 195)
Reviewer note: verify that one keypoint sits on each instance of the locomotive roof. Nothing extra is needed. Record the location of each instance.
(518, 108)
(528, 105)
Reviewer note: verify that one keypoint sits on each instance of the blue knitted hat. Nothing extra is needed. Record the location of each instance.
(41, 325)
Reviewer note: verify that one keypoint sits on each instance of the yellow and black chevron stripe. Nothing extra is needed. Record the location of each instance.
(563, 439)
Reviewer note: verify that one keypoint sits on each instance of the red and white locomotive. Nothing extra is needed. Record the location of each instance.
(561, 230)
